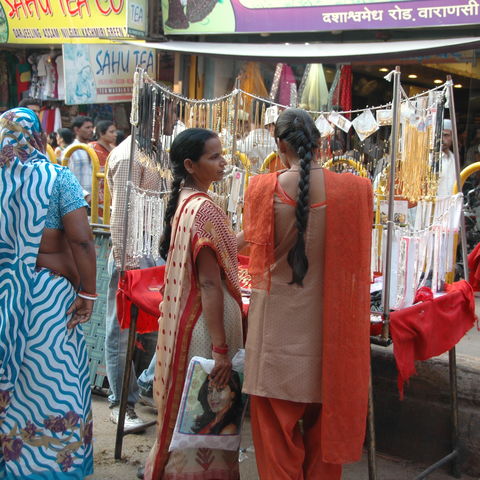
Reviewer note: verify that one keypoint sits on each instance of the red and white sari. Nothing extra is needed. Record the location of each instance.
(197, 223)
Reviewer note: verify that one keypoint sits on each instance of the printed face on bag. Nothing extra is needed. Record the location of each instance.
(219, 398)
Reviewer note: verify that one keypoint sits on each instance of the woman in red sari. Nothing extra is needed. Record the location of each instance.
(201, 309)
(106, 134)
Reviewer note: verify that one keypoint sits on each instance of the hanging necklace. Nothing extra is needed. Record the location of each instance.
(193, 189)
(297, 170)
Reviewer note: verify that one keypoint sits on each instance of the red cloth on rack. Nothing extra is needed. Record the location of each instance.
(474, 268)
(431, 328)
(144, 287)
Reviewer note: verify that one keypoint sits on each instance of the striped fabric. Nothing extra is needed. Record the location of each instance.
(45, 405)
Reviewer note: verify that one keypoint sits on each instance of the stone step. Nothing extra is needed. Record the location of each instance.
(417, 428)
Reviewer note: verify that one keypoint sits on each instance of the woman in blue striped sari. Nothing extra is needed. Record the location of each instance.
(47, 288)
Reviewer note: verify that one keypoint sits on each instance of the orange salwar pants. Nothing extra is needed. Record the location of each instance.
(282, 452)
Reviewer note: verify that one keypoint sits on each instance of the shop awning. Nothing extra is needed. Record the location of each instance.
(319, 52)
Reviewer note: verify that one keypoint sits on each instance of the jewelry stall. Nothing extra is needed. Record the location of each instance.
(414, 236)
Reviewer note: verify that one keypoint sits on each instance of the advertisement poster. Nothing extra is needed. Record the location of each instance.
(265, 16)
(71, 21)
(103, 73)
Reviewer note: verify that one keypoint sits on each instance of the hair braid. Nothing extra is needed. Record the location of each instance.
(297, 258)
(296, 127)
(169, 213)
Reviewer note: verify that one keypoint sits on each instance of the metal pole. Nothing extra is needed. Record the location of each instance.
(452, 365)
(391, 201)
(235, 119)
(456, 154)
(371, 441)
(126, 383)
(437, 465)
(133, 320)
(452, 359)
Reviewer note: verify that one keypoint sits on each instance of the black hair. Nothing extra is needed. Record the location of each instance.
(120, 137)
(188, 144)
(52, 140)
(297, 128)
(66, 134)
(78, 121)
(25, 102)
(102, 126)
(232, 416)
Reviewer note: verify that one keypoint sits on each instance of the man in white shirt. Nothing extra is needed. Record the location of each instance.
(259, 143)
(79, 162)
(447, 174)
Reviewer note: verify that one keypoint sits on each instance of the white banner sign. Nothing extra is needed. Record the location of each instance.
(103, 73)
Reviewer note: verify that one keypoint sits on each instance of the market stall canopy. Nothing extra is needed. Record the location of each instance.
(340, 52)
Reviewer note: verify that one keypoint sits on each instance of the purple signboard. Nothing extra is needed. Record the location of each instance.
(241, 16)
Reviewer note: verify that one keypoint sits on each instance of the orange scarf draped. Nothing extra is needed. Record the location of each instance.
(346, 304)
(259, 228)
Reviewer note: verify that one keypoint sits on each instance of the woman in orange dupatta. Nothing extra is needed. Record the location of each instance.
(307, 354)
(201, 309)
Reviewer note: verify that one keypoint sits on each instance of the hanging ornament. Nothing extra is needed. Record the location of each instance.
(324, 126)
(340, 121)
(365, 125)
(384, 117)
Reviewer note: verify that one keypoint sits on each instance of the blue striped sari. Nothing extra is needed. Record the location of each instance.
(45, 405)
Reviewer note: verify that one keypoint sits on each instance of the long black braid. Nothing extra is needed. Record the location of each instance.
(188, 144)
(297, 128)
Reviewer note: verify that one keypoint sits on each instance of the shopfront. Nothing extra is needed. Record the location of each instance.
(68, 56)
(429, 40)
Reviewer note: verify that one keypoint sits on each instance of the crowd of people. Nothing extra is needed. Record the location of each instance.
(307, 357)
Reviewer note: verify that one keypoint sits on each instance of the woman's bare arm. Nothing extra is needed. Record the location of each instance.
(211, 291)
(79, 235)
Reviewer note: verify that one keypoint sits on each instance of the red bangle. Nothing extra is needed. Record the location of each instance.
(222, 350)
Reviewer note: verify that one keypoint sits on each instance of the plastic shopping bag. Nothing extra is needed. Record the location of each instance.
(209, 417)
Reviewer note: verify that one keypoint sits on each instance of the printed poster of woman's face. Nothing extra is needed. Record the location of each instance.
(211, 410)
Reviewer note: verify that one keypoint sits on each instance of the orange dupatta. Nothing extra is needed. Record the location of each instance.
(346, 305)
(198, 223)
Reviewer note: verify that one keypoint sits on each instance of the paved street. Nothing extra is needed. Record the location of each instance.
(136, 448)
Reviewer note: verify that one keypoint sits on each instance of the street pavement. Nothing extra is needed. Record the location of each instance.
(136, 447)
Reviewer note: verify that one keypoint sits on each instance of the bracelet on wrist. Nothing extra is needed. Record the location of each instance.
(222, 349)
(88, 296)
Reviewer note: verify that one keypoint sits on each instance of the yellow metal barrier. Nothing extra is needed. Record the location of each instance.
(96, 176)
(51, 154)
(268, 160)
(247, 165)
(107, 199)
(464, 174)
